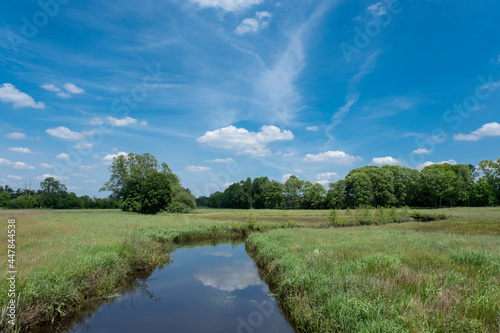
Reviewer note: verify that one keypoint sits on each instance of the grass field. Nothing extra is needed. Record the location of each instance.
(437, 276)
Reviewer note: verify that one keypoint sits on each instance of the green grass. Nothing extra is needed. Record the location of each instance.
(374, 279)
(65, 258)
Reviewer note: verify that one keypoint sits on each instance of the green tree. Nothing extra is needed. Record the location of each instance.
(142, 184)
(4, 198)
(51, 191)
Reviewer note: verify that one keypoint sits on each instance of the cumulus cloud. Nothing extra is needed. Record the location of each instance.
(71, 88)
(63, 156)
(96, 121)
(490, 129)
(259, 22)
(110, 157)
(20, 150)
(285, 177)
(423, 165)
(65, 133)
(221, 160)
(45, 166)
(50, 87)
(327, 175)
(421, 151)
(335, 157)
(244, 141)
(15, 165)
(226, 5)
(15, 136)
(47, 175)
(122, 122)
(10, 94)
(312, 128)
(192, 168)
(388, 160)
(83, 146)
(323, 182)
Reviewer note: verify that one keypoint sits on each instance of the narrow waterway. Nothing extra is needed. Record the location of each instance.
(205, 289)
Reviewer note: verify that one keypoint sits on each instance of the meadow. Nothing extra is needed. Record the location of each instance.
(441, 276)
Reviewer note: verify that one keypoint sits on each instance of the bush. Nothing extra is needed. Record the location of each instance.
(421, 217)
(336, 220)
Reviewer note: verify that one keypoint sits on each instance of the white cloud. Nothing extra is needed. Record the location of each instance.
(110, 157)
(121, 122)
(83, 146)
(312, 128)
(71, 88)
(14, 177)
(335, 157)
(243, 141)
(16, 136)
(285, 177)
(63, 156)
(63, 94)
(490, 129)
(143, 123)
(378, 8)
(50, 87)
(221, 160)
(386, 160)
(45, 166)
(352, 95)
(327, 175)
(323, 182)
(288, 154)
(10, 94)
(227, 5)
(21, 150)
(45, 176)
(87, 167)
(96, 121)
(259, 22)
(65, 133)
(423, 165)
(421, 151)
(15, 165)
(192, 168)
(90, 181)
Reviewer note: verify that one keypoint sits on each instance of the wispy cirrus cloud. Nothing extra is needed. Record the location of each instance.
(193, 168)
(353, 94)
(227, 5)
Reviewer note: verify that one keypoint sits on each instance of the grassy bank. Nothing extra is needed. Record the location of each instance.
(65, 258)
(377, 279)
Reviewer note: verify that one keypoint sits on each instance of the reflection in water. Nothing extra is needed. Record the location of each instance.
(227, 278)
(205, 289)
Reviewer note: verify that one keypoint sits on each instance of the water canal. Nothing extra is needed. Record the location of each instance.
(204, 289)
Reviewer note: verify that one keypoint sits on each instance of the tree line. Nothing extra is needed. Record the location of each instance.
(436, 185)
(52, 194)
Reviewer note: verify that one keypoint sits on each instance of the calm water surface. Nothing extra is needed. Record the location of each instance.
(205, 289)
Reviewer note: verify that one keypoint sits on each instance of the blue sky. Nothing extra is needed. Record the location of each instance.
(226, 89)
